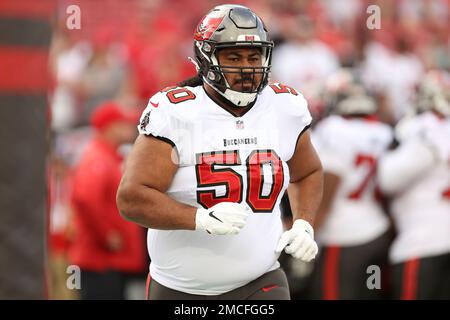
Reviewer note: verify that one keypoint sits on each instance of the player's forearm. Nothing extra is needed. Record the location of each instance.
(305, 196)
(154, 209)
(331, 183)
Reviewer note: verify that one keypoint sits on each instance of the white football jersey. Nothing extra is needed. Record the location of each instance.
(224, 158)
(350, 148)
(421, 211)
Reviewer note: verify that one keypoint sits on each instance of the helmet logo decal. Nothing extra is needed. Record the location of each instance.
(207, 27)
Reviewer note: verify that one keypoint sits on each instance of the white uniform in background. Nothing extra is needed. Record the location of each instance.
(417, 174)
(256, 147)
(350, 148)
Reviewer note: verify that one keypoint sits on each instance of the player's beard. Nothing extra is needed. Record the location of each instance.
(247, 84)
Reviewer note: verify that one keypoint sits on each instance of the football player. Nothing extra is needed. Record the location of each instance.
(351, 226)
(417, 175)
(213, 159)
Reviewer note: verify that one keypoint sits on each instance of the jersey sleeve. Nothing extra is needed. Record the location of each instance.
(303, 115)
(426, 128)
(156, 120)
(296, 118)
(407, 128)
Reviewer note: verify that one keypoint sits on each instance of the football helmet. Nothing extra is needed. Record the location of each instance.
(231, 26)
(434, 92)
(344, 94)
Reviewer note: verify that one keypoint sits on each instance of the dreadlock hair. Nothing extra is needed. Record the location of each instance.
(191, 82)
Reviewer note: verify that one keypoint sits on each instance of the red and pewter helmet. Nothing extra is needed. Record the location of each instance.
(434, 92)
(345, 94)
(231, 26)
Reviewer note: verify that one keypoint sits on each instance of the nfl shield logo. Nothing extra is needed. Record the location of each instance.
(145, 121)
(239, 124)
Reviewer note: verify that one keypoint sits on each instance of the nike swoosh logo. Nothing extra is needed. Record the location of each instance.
(267, 289)
(154, 104)
(213, 216)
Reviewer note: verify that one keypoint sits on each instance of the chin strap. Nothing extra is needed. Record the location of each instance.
(239, 99)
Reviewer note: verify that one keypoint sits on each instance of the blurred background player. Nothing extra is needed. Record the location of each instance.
(106, 248)
(352, 228)
(417, 176)
(304, 60)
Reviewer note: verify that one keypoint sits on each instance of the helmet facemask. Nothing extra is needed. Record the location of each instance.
(257, 76)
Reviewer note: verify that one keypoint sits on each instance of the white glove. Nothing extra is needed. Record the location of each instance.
(299, 241)
(222, 218)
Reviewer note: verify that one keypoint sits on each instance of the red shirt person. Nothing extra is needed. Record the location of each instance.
(105, 245)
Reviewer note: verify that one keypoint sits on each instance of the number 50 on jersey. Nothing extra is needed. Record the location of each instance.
(215, 169)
